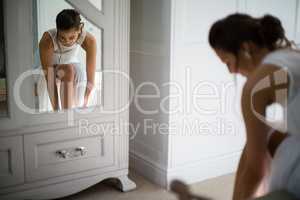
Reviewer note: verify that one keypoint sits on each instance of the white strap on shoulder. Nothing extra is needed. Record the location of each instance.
(53, 35)
(81, 37)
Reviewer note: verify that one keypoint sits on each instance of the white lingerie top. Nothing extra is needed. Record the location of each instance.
(289, 60)
(63, 54)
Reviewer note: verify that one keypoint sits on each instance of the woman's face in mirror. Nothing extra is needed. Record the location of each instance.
(68, 37)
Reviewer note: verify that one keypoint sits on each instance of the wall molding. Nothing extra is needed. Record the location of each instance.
(148, 169)
(155, 156)
(190, 173)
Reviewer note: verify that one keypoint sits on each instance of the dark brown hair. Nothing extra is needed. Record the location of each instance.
(230, 32)
(68, 19)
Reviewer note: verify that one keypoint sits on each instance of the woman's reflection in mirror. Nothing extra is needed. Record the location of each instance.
(59, 55)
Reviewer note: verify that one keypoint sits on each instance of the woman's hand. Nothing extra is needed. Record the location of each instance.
(88, 90)
(86, 99)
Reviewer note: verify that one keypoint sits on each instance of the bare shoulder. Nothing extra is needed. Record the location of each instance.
(89, 41)
(46, 41)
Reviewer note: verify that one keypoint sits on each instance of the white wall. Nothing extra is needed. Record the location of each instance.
(206, 130)
(2, 64)
(287, 11)
(297, 39)
(210, 133)
(150, 62)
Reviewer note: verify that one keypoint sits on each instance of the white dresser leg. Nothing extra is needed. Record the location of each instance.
(126, 184)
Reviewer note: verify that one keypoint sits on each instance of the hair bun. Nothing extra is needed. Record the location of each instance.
(272, 30)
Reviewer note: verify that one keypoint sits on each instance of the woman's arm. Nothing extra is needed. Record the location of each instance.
(258, 93)
(46, 55)
(241, 166)
(253, 163)
(90, 46)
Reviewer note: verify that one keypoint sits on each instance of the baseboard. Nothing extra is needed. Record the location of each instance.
(206, 169)
(148, 169)
(190, 173)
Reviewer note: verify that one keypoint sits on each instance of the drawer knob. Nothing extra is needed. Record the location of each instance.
(63, 153)
(82, 150)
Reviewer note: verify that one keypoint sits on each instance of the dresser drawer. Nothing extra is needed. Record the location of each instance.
(11, 161)
(66, 151)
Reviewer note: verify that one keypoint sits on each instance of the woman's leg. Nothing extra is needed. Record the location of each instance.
(66, 74)
(79, 85)
(50, 79)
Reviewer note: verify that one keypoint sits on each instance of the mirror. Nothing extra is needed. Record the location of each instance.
(97, 3)
(3, 84)
(74, 53)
